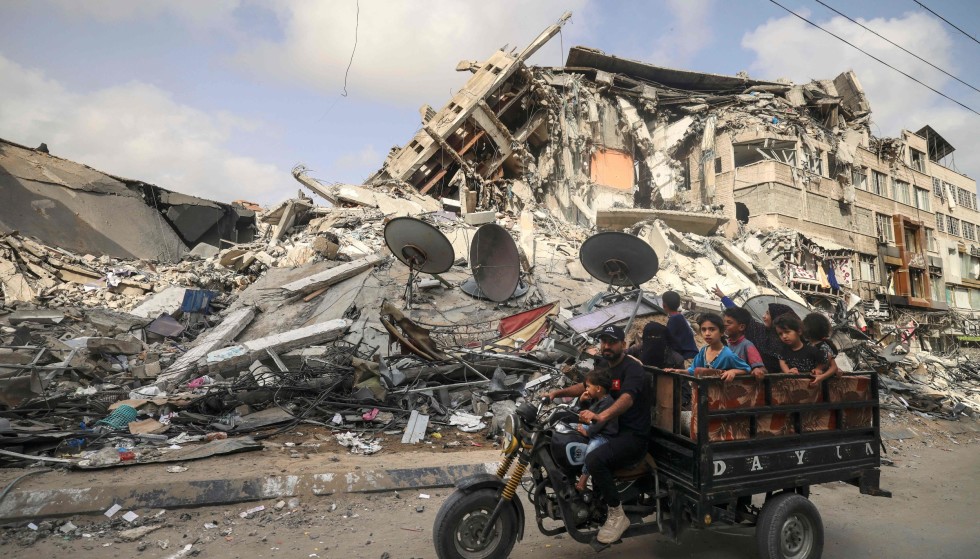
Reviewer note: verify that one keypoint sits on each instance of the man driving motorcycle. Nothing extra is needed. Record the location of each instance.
(632, 408)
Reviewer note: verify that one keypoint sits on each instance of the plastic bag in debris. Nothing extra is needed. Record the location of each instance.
(358, 444)
(467, 422)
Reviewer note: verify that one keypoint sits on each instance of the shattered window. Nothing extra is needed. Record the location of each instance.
(859, 178)
(952, 226)
(814, 162)
(969, 231)
(922, 199)
(918, 160)
(931, 245)
(901, 192)
(885, 231)
(878, 185)
(940, 222)
(767, 150)
(869, 269)
(937, 188)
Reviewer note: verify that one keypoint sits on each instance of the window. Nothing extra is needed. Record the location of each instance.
(885, 231)
(918, 160)
(937, 188)
(878, 184)
(973, 199)
(936, 285)
(813, 160)
(969, 266)
(922, 199)
(900, 189)
(952, 226)
(869, 269)
(931, 244)
(962, 197)
(940, 222)
(859, 178)
(969, 231)
(916, 283)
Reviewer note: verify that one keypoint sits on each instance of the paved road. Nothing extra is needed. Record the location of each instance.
(933, 514)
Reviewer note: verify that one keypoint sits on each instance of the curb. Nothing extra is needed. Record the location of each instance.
(34, 504)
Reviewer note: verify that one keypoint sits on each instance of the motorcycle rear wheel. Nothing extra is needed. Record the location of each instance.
(461, 519)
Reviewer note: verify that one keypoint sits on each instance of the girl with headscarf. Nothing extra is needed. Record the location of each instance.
(763, 334)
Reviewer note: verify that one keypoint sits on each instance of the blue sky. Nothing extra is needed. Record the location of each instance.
(221, 98)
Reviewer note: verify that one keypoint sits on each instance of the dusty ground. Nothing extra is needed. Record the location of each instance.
(933, 477)
(931, 515)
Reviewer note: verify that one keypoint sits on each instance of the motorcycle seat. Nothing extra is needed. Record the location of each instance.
(636, 471)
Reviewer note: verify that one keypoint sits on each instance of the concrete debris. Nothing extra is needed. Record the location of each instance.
(132, 345)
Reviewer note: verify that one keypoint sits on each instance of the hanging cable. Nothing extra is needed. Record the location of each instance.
(831, 8)
(926, 8)
(357, 24)
(845, 41)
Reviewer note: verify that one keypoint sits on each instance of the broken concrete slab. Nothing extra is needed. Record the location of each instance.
(479, 218)
(123, 345)
(617, 219)
(185, 365)
(167, 301)
(241, 355)
(332, 276)
(204, 251)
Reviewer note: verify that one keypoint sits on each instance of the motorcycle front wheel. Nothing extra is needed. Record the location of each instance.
(461, 521)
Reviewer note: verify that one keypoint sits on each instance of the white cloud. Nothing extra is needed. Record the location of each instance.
(789, 47)
(406, 52)
(195, 12)
(687, 35)
(137, 131)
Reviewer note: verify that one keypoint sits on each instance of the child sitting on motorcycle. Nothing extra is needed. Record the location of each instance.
(598, 383)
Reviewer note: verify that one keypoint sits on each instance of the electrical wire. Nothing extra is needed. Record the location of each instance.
(926, 8)
(357, 24)
(845, 41)
(831, 8)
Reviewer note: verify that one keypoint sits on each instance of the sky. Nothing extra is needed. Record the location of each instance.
(221, 98)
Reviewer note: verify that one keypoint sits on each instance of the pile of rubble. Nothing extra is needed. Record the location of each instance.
(112, 358)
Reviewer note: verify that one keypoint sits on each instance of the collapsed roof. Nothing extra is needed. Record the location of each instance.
(78, 208)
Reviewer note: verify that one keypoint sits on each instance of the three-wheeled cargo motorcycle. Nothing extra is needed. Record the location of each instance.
(748, 455)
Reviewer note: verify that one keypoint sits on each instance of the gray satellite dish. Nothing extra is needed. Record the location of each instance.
(420, 246)
(619, 259)
(495, 262)
(759, 305)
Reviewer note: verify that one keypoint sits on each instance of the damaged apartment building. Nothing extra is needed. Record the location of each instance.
(608, 142)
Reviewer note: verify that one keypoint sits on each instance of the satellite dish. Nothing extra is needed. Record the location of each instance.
(420, 246)
(471, 288)
(495, 262)
(619, 259)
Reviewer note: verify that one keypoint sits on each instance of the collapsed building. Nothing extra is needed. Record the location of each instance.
(607, 143)
(296, 315)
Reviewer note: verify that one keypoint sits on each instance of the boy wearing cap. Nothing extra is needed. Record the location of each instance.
(631, 407)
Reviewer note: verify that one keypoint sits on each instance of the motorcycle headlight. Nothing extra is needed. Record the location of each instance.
(510, 433)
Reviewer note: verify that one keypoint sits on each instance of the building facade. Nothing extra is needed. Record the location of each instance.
(899, 226)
